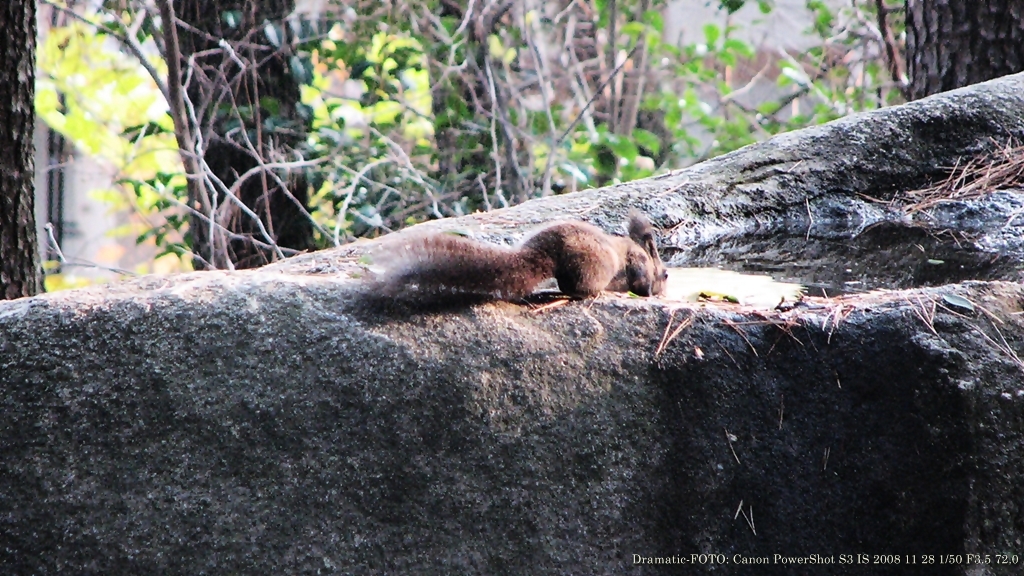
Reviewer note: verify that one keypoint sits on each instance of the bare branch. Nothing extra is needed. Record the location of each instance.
(576, 120)
(891, 52)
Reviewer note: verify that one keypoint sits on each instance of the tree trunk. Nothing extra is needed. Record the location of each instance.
(19, 254)
(954, 43)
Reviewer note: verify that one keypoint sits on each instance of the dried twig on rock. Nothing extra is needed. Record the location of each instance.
(974, 179)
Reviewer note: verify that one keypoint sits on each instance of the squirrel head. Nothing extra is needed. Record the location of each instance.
(645, 272)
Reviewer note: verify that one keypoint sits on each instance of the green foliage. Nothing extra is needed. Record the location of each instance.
(374, 140)
(411, 118)
(91, 94)
(105, 103)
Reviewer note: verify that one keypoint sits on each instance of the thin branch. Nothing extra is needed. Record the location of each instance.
(499, 108)
(228, 234)
(541, 65)
(176, 101)
(613, 100)
(76, 262)
(891, 52)
(576, 120)
(631, 112)
(359, 176)
(215, 181)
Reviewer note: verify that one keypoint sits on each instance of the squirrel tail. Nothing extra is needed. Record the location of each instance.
(449, 264)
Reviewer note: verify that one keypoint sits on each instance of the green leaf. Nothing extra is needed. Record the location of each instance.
(740, 47)
(647, 139)
(711, 34)
(958, 302)
(655, 20)
(575, 172)
(301, 69)
(634, 30)
(232, 18)
(602, 10)
(271, 105)
(731, 6)
(623, 148)
(274, 33)
(796, 75)
(605, 160)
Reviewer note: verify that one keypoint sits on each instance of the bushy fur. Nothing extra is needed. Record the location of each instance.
(450, 264)
(582, 258)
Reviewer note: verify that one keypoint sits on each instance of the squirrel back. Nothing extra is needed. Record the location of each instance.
(448, 263)
(583, 259)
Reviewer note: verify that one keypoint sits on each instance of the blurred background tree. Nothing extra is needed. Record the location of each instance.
(303, 124)
(955, 43)
(243, 98)
(20, 274)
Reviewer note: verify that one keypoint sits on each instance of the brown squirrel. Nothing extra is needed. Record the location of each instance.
(582, 258)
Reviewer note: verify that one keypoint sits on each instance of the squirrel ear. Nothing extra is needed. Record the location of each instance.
(641, 232)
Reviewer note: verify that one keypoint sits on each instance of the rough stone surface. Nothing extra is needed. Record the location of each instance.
(287, 421)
